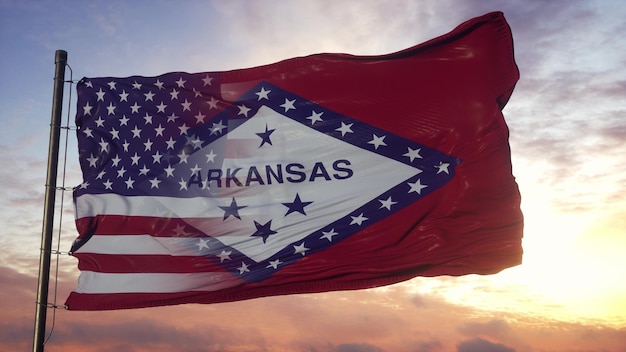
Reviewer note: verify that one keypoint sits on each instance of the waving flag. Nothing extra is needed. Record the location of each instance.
(317, 173)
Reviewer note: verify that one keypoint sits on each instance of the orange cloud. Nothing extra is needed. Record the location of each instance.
(390, 319)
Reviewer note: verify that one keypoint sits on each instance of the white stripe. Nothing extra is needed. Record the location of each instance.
(139, 244)
(93, 282)
(113, 204)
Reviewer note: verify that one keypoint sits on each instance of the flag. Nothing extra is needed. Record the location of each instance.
(317, 173)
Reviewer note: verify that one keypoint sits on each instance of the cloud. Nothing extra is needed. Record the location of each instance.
(358, 347)
(388, 319)
(568, 135)
(429, 346)
(480, 345)
(496, 328)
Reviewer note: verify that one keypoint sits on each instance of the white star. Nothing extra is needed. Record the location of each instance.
(210, 157)
(195, 169)
(274, 264)
(345, 129)
(183, 184)
(156, 158)
(159, 130)
(181, 83)
(288, 105)
(159, 84)
(170, 143)
(243, 110)
(143, 171)
(169, 170)
(149, 95)
(87, 109)
(196, 93)
(358, 219)
(125, 145)
(207, 80)
(243, 268)
(329, 235)
(413, 153)
(148, 145)
(116, 160)
(202, 243)
(213, 103)
(443, 167)
(174, 94)
(387, 203)
(121, 172)
(100, 175)
(186, 105)
(100, 93)
(88, 84)
(196, 142)
(92, 160)
(134, 108)
(300, 249)
(99, 122)
(161, 107)
(172, 118)
(200, 117)
(104, 146)
(315, 116)
(183, 157)
(124, 120)
(417, 187)
(183, 129)
(377, 141)
(224, 256)
(148, 119)
(136, 85)
(263, 93)
(115, 134)
(110, 109)
(154, 183)
(136, 132)
(217, 127)
(88, 131)
(107, 184)
(111, 85)
(129, 183)
(84, 185)
(124, 96)
(135, 159)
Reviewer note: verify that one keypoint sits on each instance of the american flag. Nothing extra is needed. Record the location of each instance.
(201, 182)
(251, 185)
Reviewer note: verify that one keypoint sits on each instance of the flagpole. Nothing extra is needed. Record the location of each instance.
(60, 60)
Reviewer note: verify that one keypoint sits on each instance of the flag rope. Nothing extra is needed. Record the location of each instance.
(57, 252)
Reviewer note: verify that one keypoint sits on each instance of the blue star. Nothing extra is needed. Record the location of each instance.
(232, 209)
(297, 205)
(265, 136)
(263, 231)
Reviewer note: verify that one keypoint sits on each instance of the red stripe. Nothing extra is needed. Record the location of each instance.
(90, 301)
(120, 225)
(107, 263)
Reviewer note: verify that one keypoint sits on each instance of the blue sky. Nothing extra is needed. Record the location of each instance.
(567, 119)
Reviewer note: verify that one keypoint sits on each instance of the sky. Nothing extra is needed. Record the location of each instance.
(567, 121)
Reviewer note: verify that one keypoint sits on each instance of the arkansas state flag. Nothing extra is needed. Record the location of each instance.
(317, 173)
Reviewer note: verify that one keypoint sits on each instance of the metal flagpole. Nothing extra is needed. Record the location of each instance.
(60, 60)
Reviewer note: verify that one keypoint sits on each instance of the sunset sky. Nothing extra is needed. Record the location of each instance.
(567, 121)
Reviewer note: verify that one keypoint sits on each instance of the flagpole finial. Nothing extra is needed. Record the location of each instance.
(60, 56)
